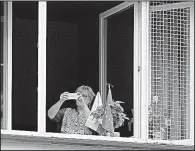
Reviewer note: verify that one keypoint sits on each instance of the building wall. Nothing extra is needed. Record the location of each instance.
(46, 141)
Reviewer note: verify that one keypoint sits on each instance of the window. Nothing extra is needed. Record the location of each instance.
(72, 40)
(143, 49)
(75, 37)
(117, 66)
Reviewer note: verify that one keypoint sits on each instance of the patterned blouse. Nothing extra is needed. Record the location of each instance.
(72, 122)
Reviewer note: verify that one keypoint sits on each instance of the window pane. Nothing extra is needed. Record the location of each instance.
(25, 65)
(120, 34)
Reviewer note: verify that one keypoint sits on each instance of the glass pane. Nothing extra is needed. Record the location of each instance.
(25, 66)
(120, 34)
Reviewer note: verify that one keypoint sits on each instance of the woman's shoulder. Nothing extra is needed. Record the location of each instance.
(69, 109)
(66, 109)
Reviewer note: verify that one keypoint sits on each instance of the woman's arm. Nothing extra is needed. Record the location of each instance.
(86, 110)
(84, 106)
(56, 107)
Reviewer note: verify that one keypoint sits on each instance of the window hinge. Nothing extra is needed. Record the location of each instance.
(139, 68)
(37, 45)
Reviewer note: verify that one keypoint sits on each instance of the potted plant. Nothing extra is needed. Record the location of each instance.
(117, 112)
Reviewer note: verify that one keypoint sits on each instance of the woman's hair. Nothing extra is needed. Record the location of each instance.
(89, 90)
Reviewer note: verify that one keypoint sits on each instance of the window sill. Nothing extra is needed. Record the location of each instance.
(35, 140)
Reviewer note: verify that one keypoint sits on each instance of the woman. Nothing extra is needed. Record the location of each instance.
(73, 120)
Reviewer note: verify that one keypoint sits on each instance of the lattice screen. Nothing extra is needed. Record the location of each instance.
(170, 71)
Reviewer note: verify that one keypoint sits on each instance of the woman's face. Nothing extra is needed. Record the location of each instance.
(85, 96)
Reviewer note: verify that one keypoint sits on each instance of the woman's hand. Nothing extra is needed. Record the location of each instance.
(81, 101)
(64, 96)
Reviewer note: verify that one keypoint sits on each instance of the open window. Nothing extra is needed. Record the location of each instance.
(117, 58)
(73, 50)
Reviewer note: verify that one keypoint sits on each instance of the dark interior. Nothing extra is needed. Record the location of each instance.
(120, 38)
(25, 66)
(72, 56)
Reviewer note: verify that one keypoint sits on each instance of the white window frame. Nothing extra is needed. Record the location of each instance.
(7, 66)
(141, 10)
(103, 57)
(42, 32)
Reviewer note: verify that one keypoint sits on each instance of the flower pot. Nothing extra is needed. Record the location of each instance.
(116, 134)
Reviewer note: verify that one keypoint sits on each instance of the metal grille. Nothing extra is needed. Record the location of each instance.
(157, 3)
(170, 72)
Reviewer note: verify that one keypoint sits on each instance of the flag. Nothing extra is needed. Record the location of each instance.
(91, 122)
(107, 121)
